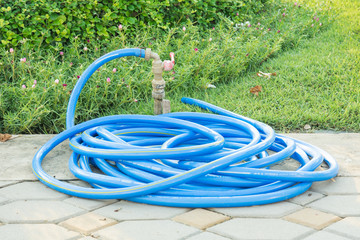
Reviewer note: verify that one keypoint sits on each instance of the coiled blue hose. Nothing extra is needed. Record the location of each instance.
(182, 159)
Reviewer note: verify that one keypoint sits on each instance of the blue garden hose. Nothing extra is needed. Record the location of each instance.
(182, 159)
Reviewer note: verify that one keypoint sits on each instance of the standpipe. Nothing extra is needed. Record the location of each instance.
(161, 105)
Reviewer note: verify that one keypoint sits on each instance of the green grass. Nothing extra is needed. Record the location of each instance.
(317, 83)
(317, 68)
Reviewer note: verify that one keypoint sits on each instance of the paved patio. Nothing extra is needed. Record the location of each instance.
(29, 210)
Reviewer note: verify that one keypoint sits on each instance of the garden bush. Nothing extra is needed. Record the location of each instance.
(56, 22)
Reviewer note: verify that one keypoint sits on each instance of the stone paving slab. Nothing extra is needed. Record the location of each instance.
(269, 211)
(306, 198)
(312, 218)
(88, 204)
(341, 185)
(17, 155)
(87, 223)
(340, 205)
(125, 210)
(147, 230)
(201, 218)
(6, 183)
(30, 191)
(260, 228)
(348, 227)
(344, 147)
(207, 236)
(37, 211)
(322, 235)
(36, 232)
(29, 208)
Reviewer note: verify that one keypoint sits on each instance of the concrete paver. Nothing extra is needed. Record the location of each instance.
(349, 227)
(17, 155)
(312, 218)
(207, 236)
(340, 205)
(37, 211)
(6, 183)
(147, 230)
(125, 210)
(30, 191)
(3, 200)
(87, 223)
(306, 198)
(259, 228)
(28, 208)
(322, 235)
(88, 204)
(201, 218)
(267, 211)
(341, 185)
(36, 232)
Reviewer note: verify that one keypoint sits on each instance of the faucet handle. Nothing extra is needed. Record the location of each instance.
(169, 64)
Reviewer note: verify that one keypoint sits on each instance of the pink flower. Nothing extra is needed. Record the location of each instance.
(135, 100)
(64, 85)
(259, 23)
(23, 60)
(78, 76)
(278, 31)
(114, 70)
(320, 24)
(284, 9)
(247, 54)
(237, 14)
(312, 25)
(11, 50)
(71, 64)
(120, 27)
(33, 86)
(88, 40)
(195, 49)
(108, 80)
(283, 14)
(210, 39)
(184, 29)
(23, 86)
(269, 29)
(61, 53)
(213, 28)
(76, 37)
(96, 49)
(295, 3)
(173, 72)
(85, 48)
(56, 81)
(35, 82)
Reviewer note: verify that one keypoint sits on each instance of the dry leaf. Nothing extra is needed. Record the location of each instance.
(4, 137)
(255, 90)
(268, 75)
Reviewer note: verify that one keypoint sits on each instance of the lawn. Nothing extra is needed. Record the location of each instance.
(313, 47)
